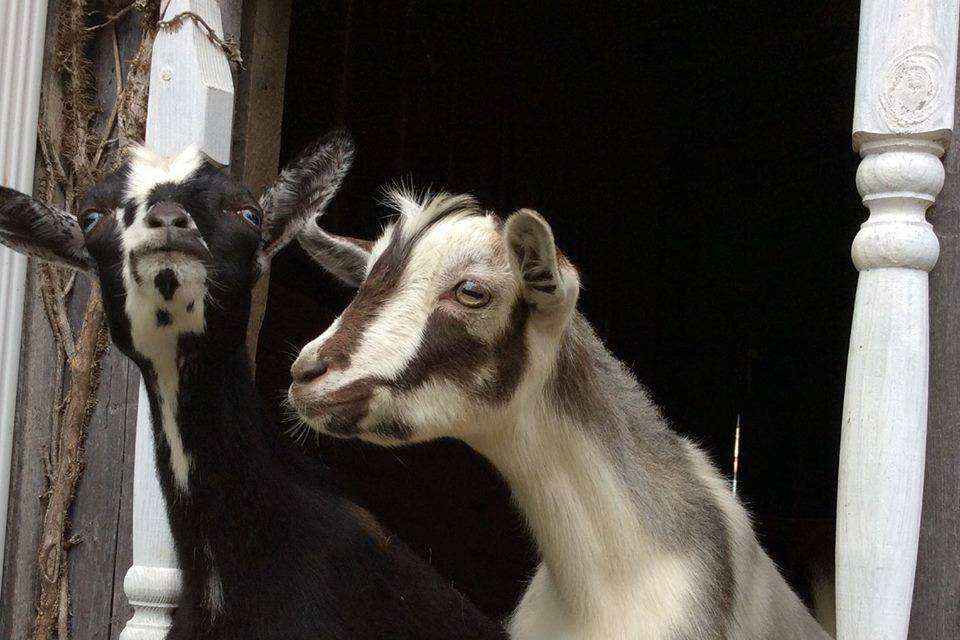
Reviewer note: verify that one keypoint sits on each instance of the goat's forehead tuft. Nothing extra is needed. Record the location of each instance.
(419, 212)
(444, 226)
(146, 169)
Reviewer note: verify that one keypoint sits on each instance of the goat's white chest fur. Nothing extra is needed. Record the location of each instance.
(156, 326)
(616, 504)
(603, 577)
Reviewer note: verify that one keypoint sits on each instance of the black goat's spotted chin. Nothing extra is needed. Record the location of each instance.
(166, 283)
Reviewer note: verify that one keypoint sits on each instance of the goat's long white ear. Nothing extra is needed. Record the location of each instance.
(40, 231)
(546, 279)
(303, 190)
(344, 257)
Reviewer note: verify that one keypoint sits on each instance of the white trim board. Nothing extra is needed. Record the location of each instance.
(22, 29)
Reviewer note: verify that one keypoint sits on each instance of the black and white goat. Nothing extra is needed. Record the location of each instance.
(176, 245)
(465, 325)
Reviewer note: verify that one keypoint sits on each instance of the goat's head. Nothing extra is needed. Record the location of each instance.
(175, 243)
(453, 308)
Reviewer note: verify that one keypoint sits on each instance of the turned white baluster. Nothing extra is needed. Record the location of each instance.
(191, 102)
(22, 25)
(902, 124)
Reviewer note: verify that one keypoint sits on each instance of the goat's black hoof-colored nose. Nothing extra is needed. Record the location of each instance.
(166, 215)
(305, 371)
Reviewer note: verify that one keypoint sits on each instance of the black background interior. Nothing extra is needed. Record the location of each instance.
(694, 161)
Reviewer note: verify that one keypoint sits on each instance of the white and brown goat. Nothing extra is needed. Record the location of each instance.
(176, 245)
(465, 325)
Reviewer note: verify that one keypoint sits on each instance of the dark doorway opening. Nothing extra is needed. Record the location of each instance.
(694, 161)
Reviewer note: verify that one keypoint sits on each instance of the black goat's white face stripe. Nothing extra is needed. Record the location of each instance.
(165, 293)
(404, 352)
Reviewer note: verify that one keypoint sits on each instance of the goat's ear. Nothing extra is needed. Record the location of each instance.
(303, 190)
(547, 280)
(344, 257)
(42, 232)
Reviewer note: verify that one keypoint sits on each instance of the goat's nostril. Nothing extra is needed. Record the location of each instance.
(309, 370)
(166, 215)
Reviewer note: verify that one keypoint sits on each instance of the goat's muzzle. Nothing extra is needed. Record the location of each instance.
(173, 240)
(306, 370)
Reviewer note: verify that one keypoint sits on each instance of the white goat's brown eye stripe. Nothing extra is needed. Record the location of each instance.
(448, 351)
(383, 281)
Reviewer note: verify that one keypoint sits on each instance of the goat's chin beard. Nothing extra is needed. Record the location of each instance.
(168, 277)
(341, 420)
(347, 420)
(188, 269)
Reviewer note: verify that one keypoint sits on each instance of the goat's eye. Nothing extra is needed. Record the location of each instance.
(251, 215)
(471, 293)
(90, 219)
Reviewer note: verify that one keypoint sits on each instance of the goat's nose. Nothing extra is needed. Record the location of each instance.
(166, 215)
(306, 369)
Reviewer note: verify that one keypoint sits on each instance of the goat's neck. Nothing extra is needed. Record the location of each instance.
(204, 405)
(560, 457)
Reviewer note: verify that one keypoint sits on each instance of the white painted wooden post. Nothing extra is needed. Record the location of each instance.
(191, 102)
(902, 124)
(22, 27)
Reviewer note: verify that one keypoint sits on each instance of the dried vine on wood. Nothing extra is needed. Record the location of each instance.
(228, 44)
(72, 162)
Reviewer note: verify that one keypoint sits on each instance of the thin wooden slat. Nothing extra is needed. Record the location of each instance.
(33, 427)
(265, 35)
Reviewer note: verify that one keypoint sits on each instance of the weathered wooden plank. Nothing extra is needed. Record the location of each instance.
(264, 39)
(259, 112)
(97, 506)
(231, 14)
(33, 427)
(96, 510)
(936, 594)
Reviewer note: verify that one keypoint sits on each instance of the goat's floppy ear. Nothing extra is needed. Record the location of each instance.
(344, 257)
(303, 190)
(546, 278)
(42, 232)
